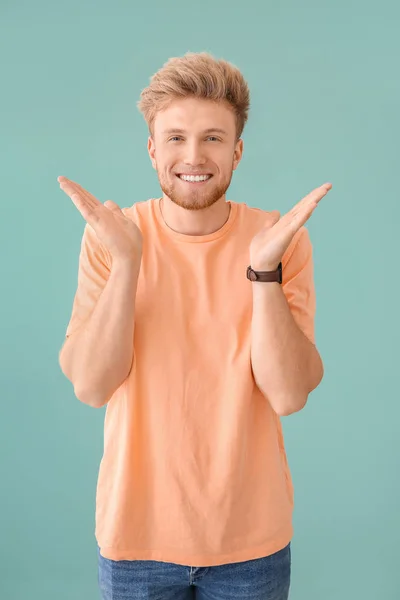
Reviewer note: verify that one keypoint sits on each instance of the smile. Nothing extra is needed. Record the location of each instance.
(194, 178)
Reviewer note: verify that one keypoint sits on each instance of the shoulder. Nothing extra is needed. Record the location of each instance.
(137, 209)
(252, 218)
(141, 212)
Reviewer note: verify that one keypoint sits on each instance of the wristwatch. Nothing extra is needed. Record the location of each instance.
(266, 276)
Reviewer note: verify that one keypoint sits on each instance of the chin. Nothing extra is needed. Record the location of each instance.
(193, 200)
(196, 199)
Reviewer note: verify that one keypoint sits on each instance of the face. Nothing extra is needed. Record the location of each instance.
(195, 137)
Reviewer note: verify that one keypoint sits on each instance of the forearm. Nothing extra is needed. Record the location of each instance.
(99, 356)
(286, 364)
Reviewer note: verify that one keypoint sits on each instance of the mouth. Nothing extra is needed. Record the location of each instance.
(194, 179)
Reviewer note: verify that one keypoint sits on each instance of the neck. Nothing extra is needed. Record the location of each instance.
(194, 222)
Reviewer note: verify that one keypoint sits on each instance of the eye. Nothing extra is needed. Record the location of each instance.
(175, 137)
(213, 138)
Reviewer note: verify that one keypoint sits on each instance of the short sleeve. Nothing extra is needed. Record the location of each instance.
(93, 273)
(298, 282)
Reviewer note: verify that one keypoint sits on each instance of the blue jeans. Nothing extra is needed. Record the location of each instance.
(266, 578)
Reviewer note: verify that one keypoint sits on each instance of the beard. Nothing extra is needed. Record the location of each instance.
(196, 199)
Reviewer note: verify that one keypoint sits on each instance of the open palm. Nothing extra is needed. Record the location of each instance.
(268, 245)
(119, 234)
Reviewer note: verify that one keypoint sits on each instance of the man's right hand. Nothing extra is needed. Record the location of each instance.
(120, 235)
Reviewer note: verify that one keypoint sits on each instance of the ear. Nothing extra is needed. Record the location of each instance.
(151, 148)
(237, 155)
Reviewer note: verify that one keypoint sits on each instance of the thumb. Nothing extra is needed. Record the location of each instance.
(112, 206)
(275, 215)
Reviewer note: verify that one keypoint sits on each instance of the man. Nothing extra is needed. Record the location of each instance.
(196, 355)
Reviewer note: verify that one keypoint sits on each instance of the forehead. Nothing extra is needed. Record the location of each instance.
(195, 115)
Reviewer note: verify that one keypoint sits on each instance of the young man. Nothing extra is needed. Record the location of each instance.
(195, 355)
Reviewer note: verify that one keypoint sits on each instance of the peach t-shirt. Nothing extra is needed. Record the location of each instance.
(194, 469)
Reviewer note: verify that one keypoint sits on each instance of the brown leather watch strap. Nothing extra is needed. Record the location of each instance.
(265, 276)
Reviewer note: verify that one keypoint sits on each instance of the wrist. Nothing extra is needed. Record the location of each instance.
(129, 263)
(258, 266)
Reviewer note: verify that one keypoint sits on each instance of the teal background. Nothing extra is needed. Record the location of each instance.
(325, 107)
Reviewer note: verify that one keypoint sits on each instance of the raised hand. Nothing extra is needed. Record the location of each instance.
(269, 244)
(120, 235)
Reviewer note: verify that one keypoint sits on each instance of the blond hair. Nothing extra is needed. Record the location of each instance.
(199, 75)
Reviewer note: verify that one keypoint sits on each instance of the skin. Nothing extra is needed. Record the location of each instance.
(199, 148)
(119, 234)
(269, 245)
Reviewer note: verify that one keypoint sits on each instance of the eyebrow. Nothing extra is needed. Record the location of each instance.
(210, 130)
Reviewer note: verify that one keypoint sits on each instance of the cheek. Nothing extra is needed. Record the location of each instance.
(226, 166)
(163, 166)
(168, 163)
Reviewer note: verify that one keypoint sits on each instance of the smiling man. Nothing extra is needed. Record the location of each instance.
(193, 322)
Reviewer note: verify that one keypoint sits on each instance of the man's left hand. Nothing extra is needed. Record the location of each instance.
(269, 245)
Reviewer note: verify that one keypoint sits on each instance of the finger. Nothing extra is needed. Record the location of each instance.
(71, 187)
(90, 214)
(312, 198)
(112, 206)
(317, 194)
(294, 221)
(83, 204)
(274, 217)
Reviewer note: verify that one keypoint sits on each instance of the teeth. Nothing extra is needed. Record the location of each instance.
(194, 178)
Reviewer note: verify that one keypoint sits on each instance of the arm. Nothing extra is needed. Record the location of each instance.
(98, 357)
(286, 364)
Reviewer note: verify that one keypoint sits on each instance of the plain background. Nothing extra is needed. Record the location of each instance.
(324, 80)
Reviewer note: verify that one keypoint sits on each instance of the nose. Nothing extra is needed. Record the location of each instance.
(194, 154)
